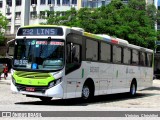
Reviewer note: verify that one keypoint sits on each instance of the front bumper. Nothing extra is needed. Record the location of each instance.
(56, 91)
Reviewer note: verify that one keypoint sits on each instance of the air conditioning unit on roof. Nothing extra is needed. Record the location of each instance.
(78, 29)
(33, 5)
(50, 5)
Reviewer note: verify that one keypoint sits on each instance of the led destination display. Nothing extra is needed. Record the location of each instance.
(44, 31)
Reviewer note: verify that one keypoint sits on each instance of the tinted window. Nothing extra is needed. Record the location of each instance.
(91, 50)
(117, 54)
(51, 1)
(9, 2)
(105, 52)
(135, 57)
(43, 2)
(58, 2)
(18, 2)
(127, 56)
(142, 59)
(1, 4)
(74, 1)
(33, 2)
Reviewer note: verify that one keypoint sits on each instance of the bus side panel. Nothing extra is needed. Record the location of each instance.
(146, 78)
(101, 74)
(133, 73)
(105, 78)
(91, 71)
(74, 84)
(119, 79)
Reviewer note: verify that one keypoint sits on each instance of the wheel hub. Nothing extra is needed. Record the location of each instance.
(86, 92)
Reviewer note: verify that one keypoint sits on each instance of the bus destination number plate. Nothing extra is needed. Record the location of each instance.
(30, 89)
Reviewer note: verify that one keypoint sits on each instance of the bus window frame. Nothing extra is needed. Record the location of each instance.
(80, 54)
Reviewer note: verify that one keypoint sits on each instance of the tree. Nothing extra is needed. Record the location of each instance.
(3, 27)
(133, 21)
(61, 18)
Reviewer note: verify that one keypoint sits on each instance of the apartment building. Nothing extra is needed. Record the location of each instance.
(28, 12)
(157, 4)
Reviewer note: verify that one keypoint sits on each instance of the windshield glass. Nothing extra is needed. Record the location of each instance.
(39, 54)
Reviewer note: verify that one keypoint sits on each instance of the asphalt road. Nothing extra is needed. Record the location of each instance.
(146, 100)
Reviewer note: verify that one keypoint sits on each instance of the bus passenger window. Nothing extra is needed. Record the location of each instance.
(76, 53)
(135, 57)
(73, 57)
(91, 50)
(117, 54)
(105, 52)
(127, 56)
(142, 58)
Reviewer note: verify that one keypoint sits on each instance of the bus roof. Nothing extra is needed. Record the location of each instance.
(30, 26)
(116, 41)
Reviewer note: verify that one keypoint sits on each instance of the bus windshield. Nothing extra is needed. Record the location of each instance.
(39, 54)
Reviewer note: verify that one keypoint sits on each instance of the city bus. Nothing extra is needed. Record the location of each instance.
(66, 62)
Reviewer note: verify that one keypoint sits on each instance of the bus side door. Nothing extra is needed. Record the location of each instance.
(73, 69)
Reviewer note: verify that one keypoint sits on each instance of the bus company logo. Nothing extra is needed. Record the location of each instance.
(94, 69)
(6, 114)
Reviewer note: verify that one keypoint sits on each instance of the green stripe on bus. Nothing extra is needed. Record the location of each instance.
(82, 73)
(117, 74)
(31, 78)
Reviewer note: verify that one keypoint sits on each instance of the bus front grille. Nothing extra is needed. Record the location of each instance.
(36, 88)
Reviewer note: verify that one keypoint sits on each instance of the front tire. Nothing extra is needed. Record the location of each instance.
(87, 93)
(45, 99)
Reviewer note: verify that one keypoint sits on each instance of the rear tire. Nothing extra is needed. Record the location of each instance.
(133, 89)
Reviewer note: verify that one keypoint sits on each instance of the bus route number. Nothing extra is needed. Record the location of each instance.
(27, 31)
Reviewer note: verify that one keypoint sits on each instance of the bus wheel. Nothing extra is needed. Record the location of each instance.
(133, 89)
(86, 92)
(45, 99)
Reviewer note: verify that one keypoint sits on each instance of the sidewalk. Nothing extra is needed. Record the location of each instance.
(8, 79)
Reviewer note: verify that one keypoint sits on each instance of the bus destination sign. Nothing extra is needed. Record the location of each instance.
(40, 31)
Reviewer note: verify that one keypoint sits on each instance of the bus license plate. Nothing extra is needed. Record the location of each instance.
(30, 89)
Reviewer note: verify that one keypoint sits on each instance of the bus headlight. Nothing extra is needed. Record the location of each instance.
(55, 82)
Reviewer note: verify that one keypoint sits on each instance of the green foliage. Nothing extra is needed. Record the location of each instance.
(133, 21)
(3, 26)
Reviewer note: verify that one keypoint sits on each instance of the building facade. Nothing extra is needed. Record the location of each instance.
(157, 4)
(28, 12)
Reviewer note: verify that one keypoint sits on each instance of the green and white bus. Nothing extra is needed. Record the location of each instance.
(66, 62)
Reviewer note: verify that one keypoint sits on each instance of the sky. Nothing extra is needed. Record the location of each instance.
(158, 2)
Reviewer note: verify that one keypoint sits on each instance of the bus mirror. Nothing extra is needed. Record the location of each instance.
(49, 40)
(7, 49)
